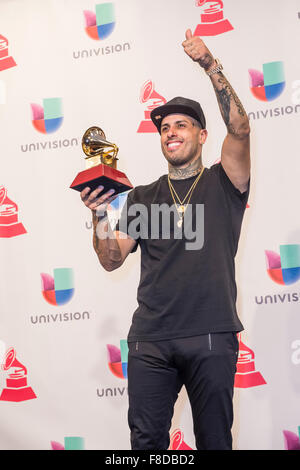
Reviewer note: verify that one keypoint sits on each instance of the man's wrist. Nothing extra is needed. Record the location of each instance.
(216, 67)
(99, 216)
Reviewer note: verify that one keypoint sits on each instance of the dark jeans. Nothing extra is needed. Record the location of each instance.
(206, 365)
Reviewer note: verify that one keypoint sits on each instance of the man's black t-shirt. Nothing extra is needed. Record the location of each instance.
(187, 286)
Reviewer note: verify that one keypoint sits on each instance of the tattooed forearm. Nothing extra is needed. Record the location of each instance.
(231, 107)
(224, 102)
(206, 61)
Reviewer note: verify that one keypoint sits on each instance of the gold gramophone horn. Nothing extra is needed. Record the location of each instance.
(97, 149)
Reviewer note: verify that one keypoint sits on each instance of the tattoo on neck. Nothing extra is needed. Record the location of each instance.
(182, 173)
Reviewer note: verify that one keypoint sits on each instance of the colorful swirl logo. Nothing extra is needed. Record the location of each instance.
(100, 25)
(118, 359)
(58, 289)
(284, 268)
(47, 118)
(268, 84)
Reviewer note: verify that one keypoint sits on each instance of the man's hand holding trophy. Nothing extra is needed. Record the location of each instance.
(101, 175)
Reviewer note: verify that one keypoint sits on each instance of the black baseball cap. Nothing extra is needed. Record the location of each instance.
(178, 105)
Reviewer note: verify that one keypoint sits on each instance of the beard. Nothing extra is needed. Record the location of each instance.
(177, 159)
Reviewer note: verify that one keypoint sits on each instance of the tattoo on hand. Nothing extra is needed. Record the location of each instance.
(206, 61)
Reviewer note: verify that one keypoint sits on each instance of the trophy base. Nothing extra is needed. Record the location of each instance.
(7, 63)
(146, 126)
(9, 231)
(17, 394)
(213, 29)
(102, 175)
(252, 379)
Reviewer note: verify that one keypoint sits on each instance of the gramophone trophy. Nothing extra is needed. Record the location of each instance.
(101, 164)
(150, 96)
(246, 375)
(6, 61)
(16, 383)
(9, 223)
(212, 19)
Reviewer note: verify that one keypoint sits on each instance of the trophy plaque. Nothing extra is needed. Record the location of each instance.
(101, 164)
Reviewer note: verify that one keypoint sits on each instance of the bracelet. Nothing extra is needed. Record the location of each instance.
(216, 69)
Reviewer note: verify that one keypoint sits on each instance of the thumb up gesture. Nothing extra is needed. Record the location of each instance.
(195, 48)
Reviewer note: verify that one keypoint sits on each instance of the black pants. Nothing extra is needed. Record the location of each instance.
(206, 365)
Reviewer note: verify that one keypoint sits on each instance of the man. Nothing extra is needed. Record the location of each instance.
(184, 329)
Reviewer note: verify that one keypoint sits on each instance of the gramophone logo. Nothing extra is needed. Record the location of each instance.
(47, 118)
(100, 24)
(153, 99)
(246, 376)
(16, 388)
(268, 84)
(6, 61)
(212, 19)
(58, 289)
(118, 359)
(9, 224)
(177, 442)
(284, 268)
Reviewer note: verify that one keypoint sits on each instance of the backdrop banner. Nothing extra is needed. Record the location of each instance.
(67, 65)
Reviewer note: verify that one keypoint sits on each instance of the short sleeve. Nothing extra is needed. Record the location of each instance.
(235, 194)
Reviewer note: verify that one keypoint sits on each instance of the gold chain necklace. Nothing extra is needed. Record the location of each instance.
(181, 207)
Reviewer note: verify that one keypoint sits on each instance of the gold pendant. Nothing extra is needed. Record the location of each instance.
(181, 209)
(179, 223)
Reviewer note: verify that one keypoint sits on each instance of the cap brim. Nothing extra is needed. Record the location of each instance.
(158, 114)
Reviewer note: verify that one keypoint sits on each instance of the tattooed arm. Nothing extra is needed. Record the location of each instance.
(235, 154)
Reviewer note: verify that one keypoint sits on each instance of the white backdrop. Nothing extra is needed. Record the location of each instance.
(63, 383)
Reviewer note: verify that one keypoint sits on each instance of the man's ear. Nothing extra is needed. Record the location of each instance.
(203, 136)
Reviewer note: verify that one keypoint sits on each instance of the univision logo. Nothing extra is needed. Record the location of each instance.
(58, 289)
(70, 443)
(284, 268)
(100, 25)
(269, 84)
(47, 118)
(118, 359)
(117, 363)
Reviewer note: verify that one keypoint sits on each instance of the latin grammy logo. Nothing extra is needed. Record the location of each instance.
(9, 225)
(212, 19)
(246, 376)
(177, 442)
(16, 382)
(6, 61)
(150, 96)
